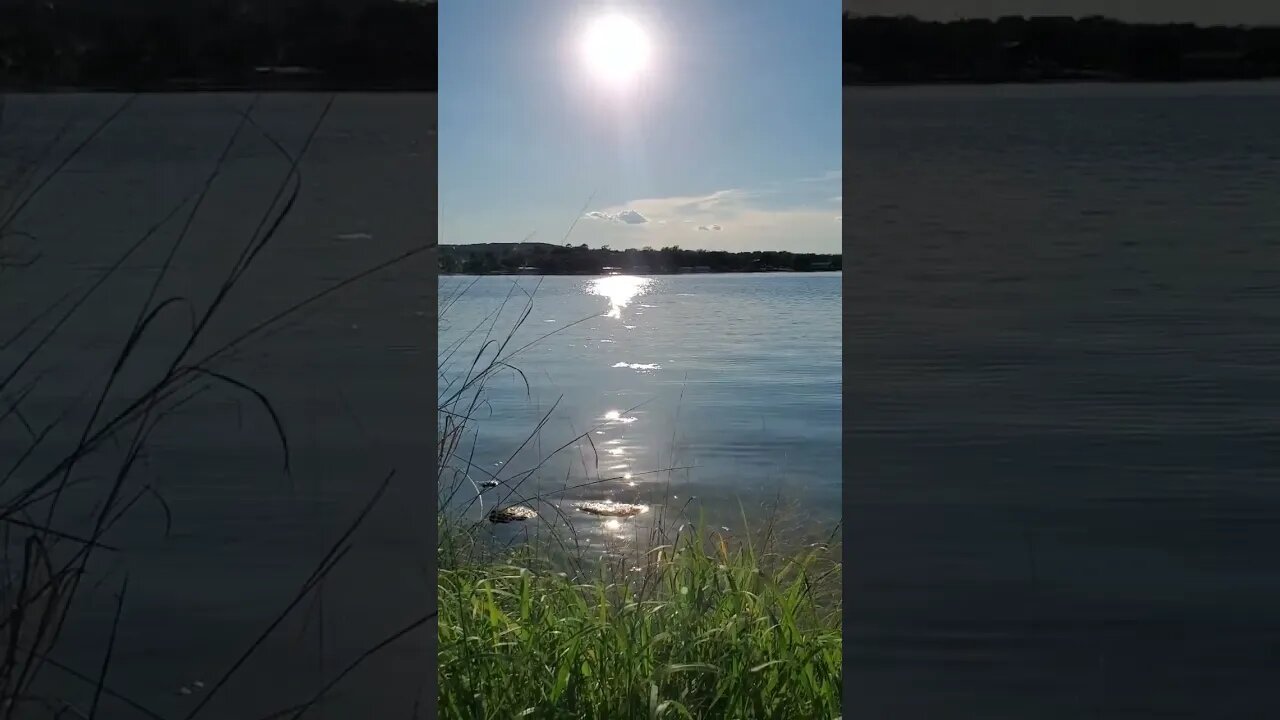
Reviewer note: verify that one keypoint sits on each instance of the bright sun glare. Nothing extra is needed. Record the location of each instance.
(616, 49)
(620, 289)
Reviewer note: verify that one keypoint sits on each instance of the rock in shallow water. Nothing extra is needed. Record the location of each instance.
(612, 509)
(511, 514)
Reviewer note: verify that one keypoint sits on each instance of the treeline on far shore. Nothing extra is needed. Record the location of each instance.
(1020, 49)
(548, 259)
(141, 45)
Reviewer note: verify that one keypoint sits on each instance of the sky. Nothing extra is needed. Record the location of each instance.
(728, 139)
(1210, 12)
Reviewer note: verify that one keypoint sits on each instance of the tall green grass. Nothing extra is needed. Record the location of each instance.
(697, 623)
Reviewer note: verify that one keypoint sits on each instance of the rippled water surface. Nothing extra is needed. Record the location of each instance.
(235, 538)
(1063, 345)
(735, 379)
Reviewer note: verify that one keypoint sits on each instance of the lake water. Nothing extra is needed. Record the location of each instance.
(1063, 339)
(734, 379)
(346, 376)
(1063, 356)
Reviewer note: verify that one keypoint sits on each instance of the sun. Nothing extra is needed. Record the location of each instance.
(615, 49)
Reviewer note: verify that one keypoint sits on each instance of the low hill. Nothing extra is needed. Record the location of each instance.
(548, 259)
(1036, 49)
(145, 45)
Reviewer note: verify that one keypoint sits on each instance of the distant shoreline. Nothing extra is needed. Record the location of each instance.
(318, 87)
(534, 258)
(1052, 49)
(154, 46)
(186, 88)
(597, 274)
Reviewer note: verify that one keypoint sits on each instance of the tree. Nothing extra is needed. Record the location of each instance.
(142, 44)
(555, 259)
(905, 49)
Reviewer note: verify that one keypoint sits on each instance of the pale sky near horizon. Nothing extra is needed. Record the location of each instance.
(1215, 12)
(730, 139)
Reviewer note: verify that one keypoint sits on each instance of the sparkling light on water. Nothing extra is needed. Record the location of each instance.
(620, 291)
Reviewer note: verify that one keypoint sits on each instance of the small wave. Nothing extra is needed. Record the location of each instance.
(638, 366)
(347, 237)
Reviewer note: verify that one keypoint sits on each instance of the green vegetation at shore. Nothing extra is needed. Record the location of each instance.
(548, 259)
(702, 630)
(684, 623)
(906, 50)
(161, 45)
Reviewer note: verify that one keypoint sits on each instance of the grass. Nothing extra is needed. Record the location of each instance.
(701, 631)
(695, 623)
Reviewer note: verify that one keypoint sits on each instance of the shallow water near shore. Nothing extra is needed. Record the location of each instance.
(733, 379)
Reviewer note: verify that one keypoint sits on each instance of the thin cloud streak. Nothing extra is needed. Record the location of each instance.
(733, 219)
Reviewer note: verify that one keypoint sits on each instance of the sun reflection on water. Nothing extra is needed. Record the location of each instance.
(620, 290)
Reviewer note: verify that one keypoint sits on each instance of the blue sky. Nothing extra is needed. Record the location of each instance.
(729, 140)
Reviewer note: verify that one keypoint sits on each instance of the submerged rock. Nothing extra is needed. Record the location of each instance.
(610, 508)
(489, 484)
(511, 514)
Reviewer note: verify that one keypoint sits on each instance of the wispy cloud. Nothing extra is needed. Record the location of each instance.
(793, 215)
(629, 217)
